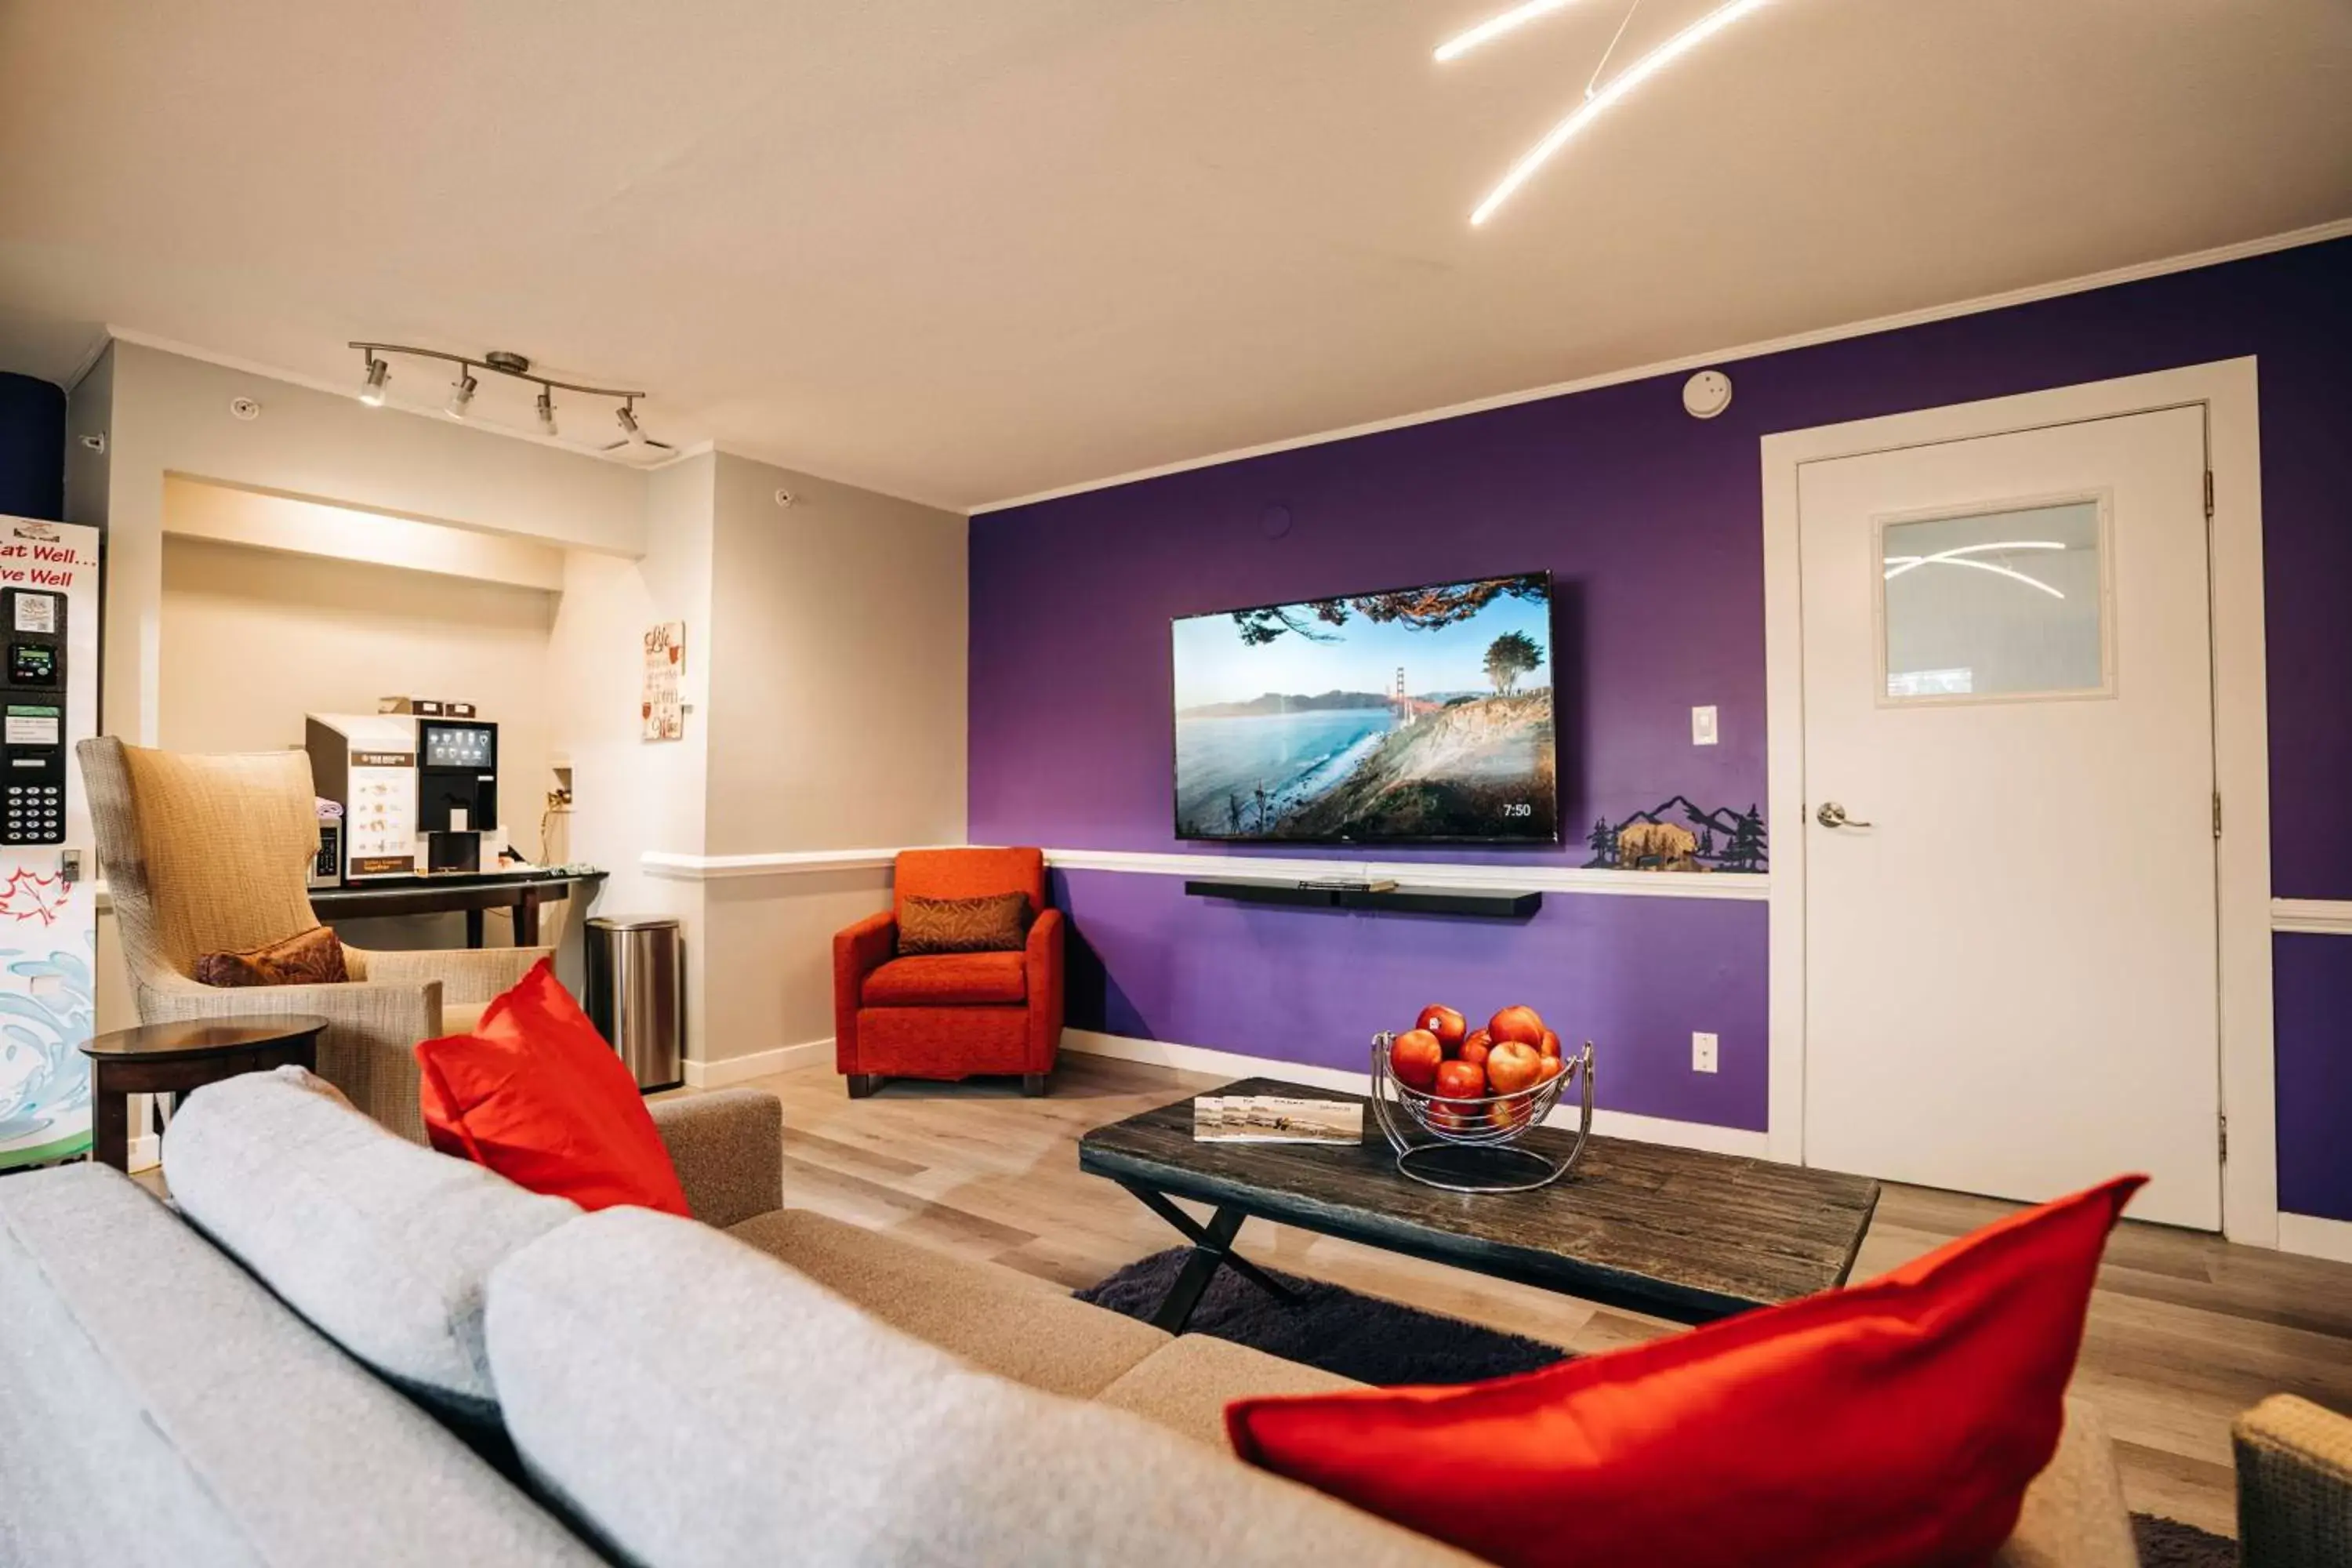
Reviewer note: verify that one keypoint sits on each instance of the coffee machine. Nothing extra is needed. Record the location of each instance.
(458, 793)
(419, 795)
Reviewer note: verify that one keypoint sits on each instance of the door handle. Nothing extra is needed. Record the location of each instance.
(1833, 814)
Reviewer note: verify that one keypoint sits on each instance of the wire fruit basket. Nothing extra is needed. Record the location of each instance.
(1474, 1145)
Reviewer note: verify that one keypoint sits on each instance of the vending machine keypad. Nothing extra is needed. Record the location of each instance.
(34, 815)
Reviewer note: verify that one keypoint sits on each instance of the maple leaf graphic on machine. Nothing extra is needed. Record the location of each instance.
(30, 896)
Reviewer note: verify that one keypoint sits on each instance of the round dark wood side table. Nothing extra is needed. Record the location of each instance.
(173, 1059)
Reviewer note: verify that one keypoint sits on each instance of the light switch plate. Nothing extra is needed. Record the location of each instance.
(1702, 1053)
(1703, 726)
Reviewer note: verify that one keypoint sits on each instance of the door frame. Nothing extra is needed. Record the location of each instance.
(2226, 392)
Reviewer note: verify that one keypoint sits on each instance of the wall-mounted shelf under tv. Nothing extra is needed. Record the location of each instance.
(1491, 903)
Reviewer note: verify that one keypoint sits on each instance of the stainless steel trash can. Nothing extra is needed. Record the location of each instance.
(636, 996)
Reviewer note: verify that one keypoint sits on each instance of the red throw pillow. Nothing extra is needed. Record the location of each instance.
(537, 1095)
(1894, 1424)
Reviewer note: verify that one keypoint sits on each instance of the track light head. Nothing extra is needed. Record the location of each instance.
(461, 394)
(628, 417)
(378, 373)
(546, 411)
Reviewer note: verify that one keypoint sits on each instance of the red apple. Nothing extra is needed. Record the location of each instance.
(1520, 1024)
(1457, 1082)
(1513, 1067)
(1552, 1068)
(1444, 1023)
(1460, 1081)
(1473, 1052)
(1478, 1037)
(1413, 1056)
(1549, 1045)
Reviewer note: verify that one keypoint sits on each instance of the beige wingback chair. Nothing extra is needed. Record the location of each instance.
(210, 854)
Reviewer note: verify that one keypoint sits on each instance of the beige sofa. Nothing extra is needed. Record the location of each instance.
(149, 1385)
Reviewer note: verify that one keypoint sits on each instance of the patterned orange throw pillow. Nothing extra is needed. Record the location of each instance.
(997, 924)
(315, 957)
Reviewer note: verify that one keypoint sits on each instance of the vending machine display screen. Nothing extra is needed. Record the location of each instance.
(32, 664)
(451, 746)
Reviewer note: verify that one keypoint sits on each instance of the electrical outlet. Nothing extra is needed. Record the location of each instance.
(1702, 1053)
(1703, 725)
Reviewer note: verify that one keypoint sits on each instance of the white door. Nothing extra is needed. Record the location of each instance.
(2010, 942)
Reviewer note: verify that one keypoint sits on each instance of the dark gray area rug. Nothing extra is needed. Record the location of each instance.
(1378, 1342)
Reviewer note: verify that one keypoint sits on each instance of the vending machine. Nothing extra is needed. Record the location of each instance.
(48, 916)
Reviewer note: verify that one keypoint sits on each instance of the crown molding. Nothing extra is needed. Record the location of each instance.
(2318, 234)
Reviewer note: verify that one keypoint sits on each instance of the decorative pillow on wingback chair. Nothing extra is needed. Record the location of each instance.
(997, 924)
(314, 957)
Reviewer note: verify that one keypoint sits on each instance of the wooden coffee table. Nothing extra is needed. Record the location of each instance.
(1670, 1233)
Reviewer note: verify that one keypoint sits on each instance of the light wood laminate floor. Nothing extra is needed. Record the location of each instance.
(2186, 1330)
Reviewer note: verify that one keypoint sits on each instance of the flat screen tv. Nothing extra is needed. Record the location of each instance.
(1416, 715)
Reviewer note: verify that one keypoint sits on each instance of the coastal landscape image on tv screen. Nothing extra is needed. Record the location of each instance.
(1418, 713)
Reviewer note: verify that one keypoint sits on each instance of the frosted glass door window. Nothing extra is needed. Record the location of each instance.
(2003, 604)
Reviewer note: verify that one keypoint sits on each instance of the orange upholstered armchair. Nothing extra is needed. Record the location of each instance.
(949, 1015)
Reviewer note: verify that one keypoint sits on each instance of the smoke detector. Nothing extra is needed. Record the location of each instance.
(1707, 395)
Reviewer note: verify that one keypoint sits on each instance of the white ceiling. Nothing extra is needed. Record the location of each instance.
(963, 252)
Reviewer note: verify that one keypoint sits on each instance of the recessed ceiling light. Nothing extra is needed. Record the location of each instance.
(1510, 21)
(1625, 81)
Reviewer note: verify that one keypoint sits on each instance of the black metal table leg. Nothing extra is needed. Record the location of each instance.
(1208, 1254)
(1212, 1248)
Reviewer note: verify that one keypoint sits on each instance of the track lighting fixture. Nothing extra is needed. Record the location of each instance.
(502, 363)
(633, 437)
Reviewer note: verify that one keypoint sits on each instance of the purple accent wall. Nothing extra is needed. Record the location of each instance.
(2311, 976)
(1652, 523)
(1148, 961)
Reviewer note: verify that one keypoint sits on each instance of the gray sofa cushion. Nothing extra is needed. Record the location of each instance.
(157, 1402)
(699, 1403)
(382, 1245)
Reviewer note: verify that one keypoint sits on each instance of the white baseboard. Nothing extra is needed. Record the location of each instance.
(2316, 1238)
(1234, 1064)
(759, 1064)
(1638, 1129)
(146, 1150)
